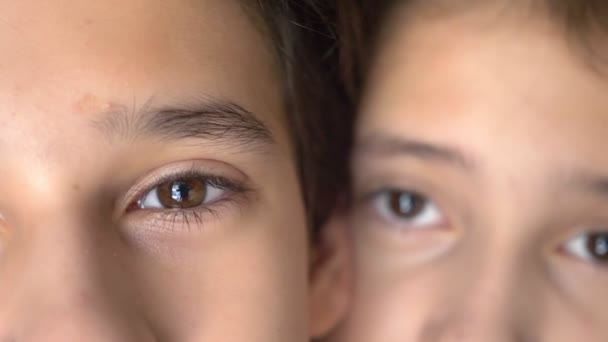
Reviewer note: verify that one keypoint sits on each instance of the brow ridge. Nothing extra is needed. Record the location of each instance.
(383, 145)
(209, 119)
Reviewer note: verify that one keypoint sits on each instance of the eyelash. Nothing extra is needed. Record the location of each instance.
(169, 217)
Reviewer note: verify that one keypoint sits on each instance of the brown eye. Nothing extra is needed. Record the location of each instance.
(184, 193)
(408, 209)
(590, 247)
(406, 205)
(597, 244)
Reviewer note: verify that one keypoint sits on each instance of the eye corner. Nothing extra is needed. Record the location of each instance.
(589, 247)
(132, 206)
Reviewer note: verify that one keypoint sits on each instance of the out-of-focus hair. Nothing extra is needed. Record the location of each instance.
(303, 33)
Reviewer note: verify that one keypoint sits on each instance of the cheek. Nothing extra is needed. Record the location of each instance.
(4, 235)
(247, 281)
(391, 302)
(248, 271)
(582, 304)
(562, 321)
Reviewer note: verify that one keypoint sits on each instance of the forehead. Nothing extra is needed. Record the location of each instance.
(478, 77)
(84, 54)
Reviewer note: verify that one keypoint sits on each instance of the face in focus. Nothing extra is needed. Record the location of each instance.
(149, 190)
(480, 183)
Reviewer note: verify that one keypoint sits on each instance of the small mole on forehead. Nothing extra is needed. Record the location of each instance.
(90, 103)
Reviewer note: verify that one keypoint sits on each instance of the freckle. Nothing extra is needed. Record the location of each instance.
(76, 187)
(17, 89)
(89, 103)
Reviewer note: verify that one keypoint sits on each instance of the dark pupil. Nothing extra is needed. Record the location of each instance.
(182, 193)
(598, 246)
(406, 205)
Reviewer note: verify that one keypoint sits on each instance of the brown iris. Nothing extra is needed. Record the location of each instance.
(406, 205)
(597, 244)
(183, 193)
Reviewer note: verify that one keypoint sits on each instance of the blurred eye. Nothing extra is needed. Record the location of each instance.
(183, 193)
(408, 208)
(590, 247)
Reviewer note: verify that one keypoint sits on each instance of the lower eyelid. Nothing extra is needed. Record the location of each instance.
(176, 221)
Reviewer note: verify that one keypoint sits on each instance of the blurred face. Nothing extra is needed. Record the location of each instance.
(481, 186)
(149, 191)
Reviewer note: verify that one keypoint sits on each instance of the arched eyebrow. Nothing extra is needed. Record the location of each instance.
(218, 121)
(386, 145)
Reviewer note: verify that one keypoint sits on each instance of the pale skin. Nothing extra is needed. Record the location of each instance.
(494, 125)
(99, 102)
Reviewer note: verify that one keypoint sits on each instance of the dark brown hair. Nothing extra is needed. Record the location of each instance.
(319, 113)
(361, 21)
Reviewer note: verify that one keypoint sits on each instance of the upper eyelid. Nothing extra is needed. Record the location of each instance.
(391, 177)
(184, 175)
(410, 185)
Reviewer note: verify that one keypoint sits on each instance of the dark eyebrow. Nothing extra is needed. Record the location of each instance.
(594, 183)
(209, 119)
(380, 145)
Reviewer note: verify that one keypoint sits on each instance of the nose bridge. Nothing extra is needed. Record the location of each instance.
(62, 258)
(486, 305)
(58, 247)
(57, 285)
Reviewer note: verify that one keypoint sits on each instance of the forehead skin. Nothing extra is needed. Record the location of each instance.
(82, 56)
(491, 69)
